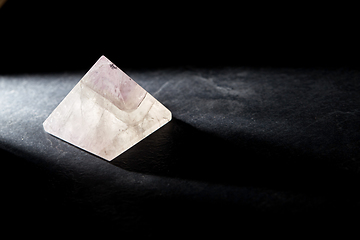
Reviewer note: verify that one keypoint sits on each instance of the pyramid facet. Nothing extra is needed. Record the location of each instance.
(106, 113)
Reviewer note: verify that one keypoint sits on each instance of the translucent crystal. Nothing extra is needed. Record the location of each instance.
(106, 113)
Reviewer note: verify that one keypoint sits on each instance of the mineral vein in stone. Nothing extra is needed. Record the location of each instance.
(106, 113)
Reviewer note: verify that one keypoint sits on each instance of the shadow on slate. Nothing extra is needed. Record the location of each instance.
(30, 197)
(182, 151)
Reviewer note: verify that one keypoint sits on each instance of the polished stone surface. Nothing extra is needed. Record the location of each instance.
(106, 113)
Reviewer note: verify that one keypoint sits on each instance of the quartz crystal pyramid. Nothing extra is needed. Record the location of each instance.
(106, 113)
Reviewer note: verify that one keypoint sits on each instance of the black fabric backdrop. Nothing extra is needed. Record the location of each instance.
(265, 131)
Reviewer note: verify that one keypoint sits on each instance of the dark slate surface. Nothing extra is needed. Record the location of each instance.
(247, 149)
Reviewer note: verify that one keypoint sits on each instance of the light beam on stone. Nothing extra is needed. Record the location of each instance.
(106, 113)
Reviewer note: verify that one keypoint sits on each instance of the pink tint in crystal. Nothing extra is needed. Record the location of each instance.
(106, 112)
(112, 83)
